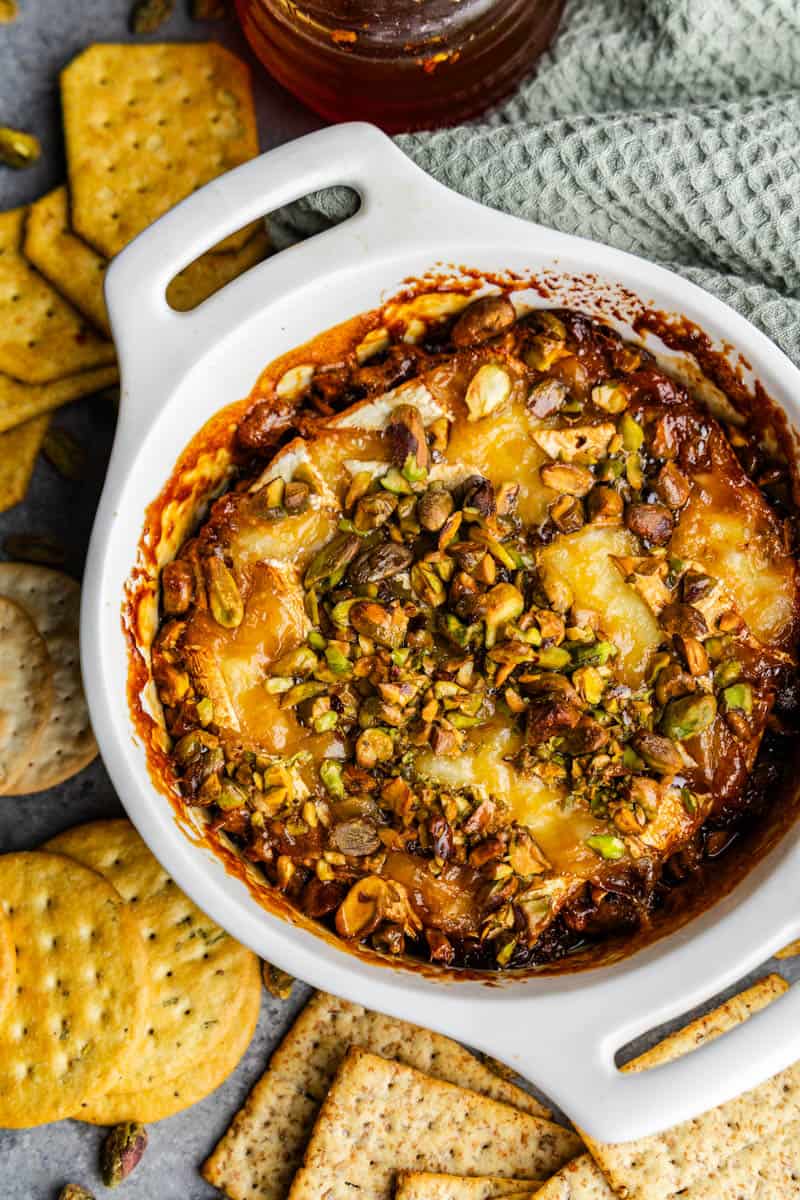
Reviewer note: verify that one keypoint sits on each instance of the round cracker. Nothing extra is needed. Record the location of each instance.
(77, 1015)
(8, 963)
(167, 1099)
(26, 689)
(197, 972)
(66, 744)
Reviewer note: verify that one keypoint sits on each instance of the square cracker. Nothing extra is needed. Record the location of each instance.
(210, 272)
(42, 337)
(256, 1158)
(147, 125)
(720, 1144)
(18, 450)
(20, 402)
(425, 1185)
(78, 271)
(380, 1117)
(71, 264)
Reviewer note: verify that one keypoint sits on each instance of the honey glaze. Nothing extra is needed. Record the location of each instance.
(270, 564)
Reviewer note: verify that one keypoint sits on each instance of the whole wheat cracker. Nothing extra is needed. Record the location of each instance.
(256, 1158)
(681, 1158)
(66, 744)
(42, 337)
(145, 126)
(76, 1019)
(582, 1179)
(21, 402)
(199, 974)
(381, 1117)
(19, 449)
(426, 1185)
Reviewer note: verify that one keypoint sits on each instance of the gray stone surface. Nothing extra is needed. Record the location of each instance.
(35, 1164)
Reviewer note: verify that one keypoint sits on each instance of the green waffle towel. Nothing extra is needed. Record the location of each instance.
(670, 128)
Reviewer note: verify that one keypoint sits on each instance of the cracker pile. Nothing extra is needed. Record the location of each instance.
(145, 126)
(119, 1000)
(357, 1102)
(45, 732)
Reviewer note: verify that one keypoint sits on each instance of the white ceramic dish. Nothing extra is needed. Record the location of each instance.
(177, 370)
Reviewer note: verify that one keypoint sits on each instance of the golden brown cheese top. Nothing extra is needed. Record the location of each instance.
(490, 626)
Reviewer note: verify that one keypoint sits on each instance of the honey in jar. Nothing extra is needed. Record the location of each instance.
(403, 64)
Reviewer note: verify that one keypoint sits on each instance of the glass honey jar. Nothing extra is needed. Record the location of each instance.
(403, 64)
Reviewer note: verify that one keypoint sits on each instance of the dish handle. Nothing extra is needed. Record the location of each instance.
(156, 344)
(579, 1072)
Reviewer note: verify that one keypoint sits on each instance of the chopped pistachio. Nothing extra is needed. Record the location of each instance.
(611, 397)
(330, 772)
(606, 845)
(688, 715)
(632, 432)
(205, 711)
(738, 696)
(18, 149)
(553, 658)
(488, 390)
(278, 684)
(727, 673)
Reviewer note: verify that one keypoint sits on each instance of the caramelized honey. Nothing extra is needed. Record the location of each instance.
(401, 65)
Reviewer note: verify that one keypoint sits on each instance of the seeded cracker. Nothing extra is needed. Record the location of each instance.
(20, 402)
(18, 450)
(147, 125)
(421, 1185)
(66, 744)
(203, 983)
(42, 337)
(721, 1164)
(26, 689)
(257, 1157)
(380, 1118)
(76, 1019)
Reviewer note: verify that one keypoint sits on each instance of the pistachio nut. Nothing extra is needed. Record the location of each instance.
(329, 563)
(607, 845)
(485, 318)
(567, 478)
(121, 1152)
(363, 908)
(374, 745)
(688, 715)
(295, 382)
(611, 397)
(488, 390)
(379, 563)
(373, 511)
(224, 597)
(657, 752)
(385, 625)
(356, 838)
(434, 507)
(406, 434)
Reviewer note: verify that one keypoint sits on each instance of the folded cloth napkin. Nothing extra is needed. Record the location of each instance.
(670, 128)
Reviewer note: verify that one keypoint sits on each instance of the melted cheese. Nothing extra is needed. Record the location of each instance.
(581, 561)
(731, 533)
(559, 828)
(501, 448)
